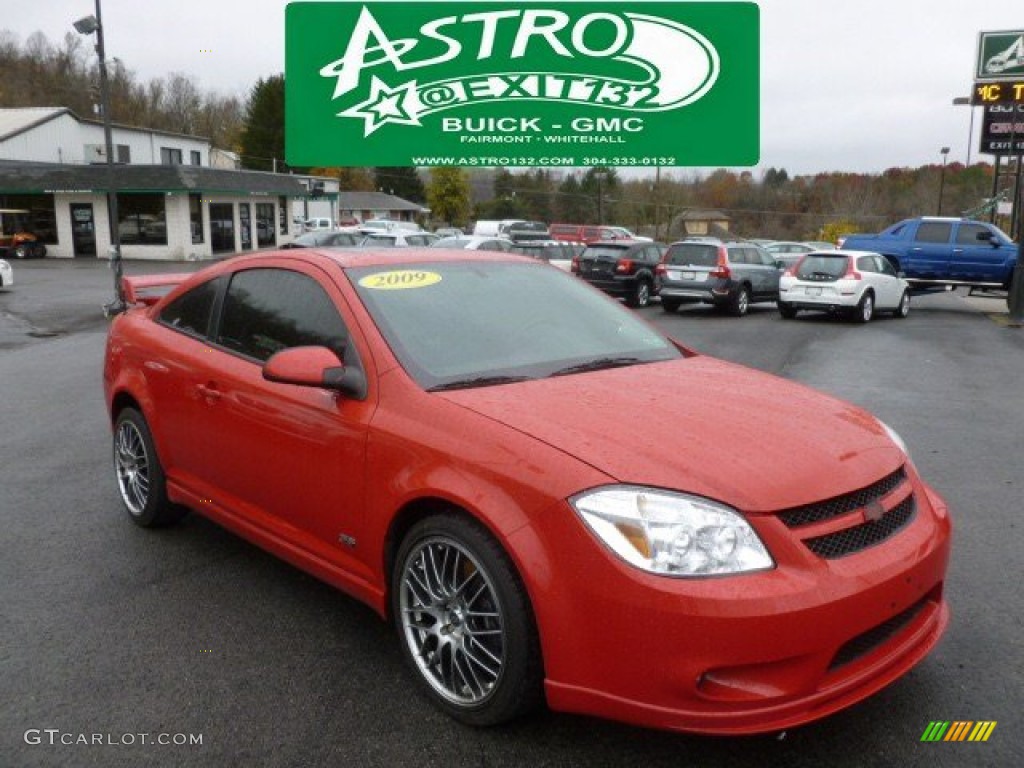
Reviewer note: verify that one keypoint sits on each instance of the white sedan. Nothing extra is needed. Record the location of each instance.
(6, 274)
(854, 283)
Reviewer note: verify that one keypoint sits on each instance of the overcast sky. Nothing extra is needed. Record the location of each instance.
(846, 85)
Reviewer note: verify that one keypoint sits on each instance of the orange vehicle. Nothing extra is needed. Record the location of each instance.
(15, 239)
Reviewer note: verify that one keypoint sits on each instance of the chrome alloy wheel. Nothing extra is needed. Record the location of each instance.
(132, 466)
(452, 621)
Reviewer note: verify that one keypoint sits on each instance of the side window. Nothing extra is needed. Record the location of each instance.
(934, 232)
(267, 310)
(651, 254)
(885, 266)
(766, 258)
(968, 234)
(190, 312)
(867, 264)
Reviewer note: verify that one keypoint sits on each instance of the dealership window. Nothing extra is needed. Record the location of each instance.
(39, 216)
(170, 156)
(195, 216)
(197, 158)
(265, 225)
(282, 214)
(142, 219)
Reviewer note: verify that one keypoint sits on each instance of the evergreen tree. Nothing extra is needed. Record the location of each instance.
(262, 139)
(404, 182)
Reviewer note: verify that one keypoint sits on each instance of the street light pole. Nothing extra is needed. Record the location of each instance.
(942, 176)
(965, 101)
(599, 175)
(86, 26)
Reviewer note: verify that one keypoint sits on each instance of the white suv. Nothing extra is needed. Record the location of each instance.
(855, 283)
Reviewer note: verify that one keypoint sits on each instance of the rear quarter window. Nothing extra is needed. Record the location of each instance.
(191, 312)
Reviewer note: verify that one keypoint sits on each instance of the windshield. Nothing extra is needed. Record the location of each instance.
(459, 323)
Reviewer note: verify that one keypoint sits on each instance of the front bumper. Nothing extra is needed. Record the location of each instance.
(743, 654)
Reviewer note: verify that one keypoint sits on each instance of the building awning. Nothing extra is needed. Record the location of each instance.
(48, 178)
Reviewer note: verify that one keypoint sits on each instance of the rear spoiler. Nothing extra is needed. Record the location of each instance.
(149, 289)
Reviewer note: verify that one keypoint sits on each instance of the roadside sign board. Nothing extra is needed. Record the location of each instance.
(1002, 130)
(1000, 56)
(1009, 91)
(522, 83)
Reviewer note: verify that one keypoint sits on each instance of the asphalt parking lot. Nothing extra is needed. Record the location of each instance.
(112, 630)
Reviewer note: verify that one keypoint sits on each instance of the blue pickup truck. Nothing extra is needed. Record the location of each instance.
(944, 251)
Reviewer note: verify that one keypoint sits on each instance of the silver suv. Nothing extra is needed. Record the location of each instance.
(729, 274)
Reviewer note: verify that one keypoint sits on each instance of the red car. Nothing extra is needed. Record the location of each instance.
(454, 439)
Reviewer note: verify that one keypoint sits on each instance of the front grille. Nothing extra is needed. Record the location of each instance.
(840, 505)
(859, 537)
(864, 643)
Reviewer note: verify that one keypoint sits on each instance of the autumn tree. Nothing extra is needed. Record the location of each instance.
(448, 195)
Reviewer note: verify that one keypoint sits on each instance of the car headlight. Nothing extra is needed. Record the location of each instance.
(672, 534)
(895, 437)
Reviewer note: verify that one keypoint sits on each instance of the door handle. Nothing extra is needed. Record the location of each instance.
(210, 392)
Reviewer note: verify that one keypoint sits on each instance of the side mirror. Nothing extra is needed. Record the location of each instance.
(983, 235)
(315, 367)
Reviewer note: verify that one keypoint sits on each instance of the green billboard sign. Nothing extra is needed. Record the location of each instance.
(1000, 56)
(522, 83)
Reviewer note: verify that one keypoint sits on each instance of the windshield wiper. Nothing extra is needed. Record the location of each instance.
(479, 381)
(597, 365)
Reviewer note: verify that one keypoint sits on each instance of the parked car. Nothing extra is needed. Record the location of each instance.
(622, 268)
(731, 275)
(934, 251)
(6, 274)
(326, 239)
(399, 239)
(853, 283)
(554, 252)
(318, 224)
(621, 233)
(512, 469)
(449, 232)
(381, 226)
(474, 243)
(582, 233)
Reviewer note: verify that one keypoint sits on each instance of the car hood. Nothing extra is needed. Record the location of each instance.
(754, 441)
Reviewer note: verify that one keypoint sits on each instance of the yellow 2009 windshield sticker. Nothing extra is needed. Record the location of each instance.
(400, 280)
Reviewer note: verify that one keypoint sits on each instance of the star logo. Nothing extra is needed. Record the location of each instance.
(386, 105)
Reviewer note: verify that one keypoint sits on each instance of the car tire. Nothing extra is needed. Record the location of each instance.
(641, 295)
(482, 667)
(139, 474)
(788, 311)
(865, 308)
(39, 251)
(739, 304)
(670, 305)
(903, 308)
